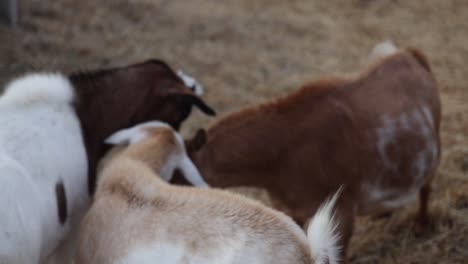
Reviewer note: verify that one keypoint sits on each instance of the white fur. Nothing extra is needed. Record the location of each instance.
(176, 161)
(176, 252)
(187, 167)
(428, 115)
(41, 145)
(401, 198)
(190, 82)
(191, 173)
(386, 135)
(388, 198)
(382, 49)
(133, 134)
(147, 254)
(418, 121)
(322, 234)
(427, 156)
(38, 88)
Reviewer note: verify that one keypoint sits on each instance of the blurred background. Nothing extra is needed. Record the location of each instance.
(247, 51)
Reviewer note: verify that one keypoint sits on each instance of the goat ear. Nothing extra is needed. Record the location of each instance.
(191, 82)
(126, 136)
(195, 100)
(197, 142)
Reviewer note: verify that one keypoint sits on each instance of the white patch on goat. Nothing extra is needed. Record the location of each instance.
(404, 121)
(379, 195)
(420, 122)
(415, 122)
(428, 154)
(191, 83)
(125, 136)
(16, 188)
(428, 115)
(382, 49)
(322, 233)
(40, 134)
(187, 167)
(401, 198)
(420, 163)
(38, 88)
(433, 149)
(165, 252)
(386, 135)
(389, 198)
(177, 160)
(182, 161)
(133, 134)
(167, 171)
(159, 252)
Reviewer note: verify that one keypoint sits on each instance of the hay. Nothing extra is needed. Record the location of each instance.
(247, 51)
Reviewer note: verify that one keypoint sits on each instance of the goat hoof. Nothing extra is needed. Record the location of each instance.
(385, 215)
(422, 227)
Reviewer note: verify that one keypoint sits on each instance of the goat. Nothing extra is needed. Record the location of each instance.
(137, 217)
(112, 99)
(52, 127)
(36, 171)
(376, 133)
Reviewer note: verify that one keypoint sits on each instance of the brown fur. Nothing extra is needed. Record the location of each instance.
(303, 146)
(112, 99)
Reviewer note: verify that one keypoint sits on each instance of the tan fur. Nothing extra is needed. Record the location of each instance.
(134, 207)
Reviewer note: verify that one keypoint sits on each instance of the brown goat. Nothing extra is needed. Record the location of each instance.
(112, 99)
(377, 134)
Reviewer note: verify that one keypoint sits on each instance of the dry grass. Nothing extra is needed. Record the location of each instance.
(247, 51)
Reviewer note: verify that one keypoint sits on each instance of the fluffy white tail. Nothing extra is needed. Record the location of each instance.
(38, 88)
(322, 233)
(382, 49)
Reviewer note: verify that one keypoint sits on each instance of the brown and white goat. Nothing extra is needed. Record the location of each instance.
(53, 128)
(376, 134)
(137, 217)
(112, 99)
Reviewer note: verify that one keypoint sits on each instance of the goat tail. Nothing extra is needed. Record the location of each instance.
(38, 88)
(322, 233)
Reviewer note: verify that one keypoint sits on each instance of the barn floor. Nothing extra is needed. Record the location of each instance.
(248, 51)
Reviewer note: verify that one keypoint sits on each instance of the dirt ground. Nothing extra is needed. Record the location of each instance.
(245, 52)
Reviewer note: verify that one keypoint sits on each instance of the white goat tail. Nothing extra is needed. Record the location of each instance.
(38, 88)
(383, 49)
(322, 233)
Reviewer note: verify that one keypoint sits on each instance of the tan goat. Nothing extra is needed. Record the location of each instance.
(137, 217)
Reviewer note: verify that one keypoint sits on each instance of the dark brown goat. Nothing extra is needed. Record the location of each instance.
(112, 99)
(376, 134)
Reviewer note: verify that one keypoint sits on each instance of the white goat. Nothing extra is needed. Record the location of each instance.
(136, 217)
(42, 161)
